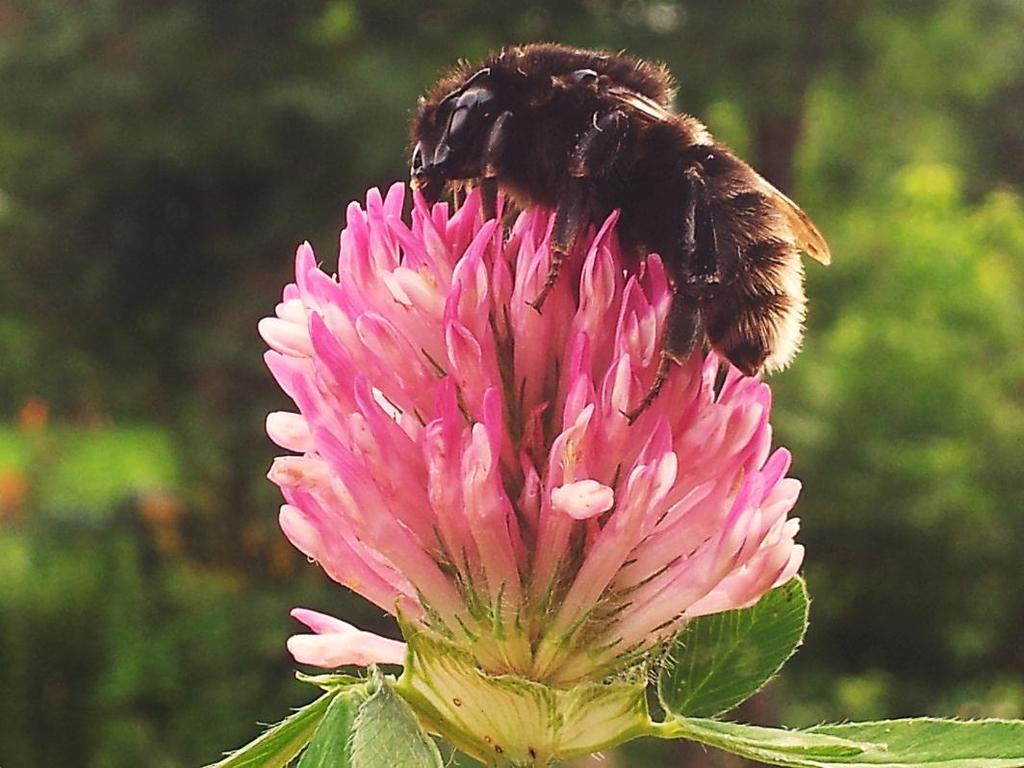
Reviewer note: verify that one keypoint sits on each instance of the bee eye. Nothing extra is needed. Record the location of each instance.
(417, 157)
(458, 122)
(585, 77)
(471, 108)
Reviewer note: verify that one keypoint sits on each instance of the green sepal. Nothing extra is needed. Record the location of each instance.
(719, 661)
(329, 747)
(386, 733)
(330, 682)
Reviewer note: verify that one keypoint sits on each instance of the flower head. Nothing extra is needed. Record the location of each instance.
(464, 461)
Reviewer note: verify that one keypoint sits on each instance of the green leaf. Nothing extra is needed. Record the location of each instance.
(329, 747)
(386, 734)
(894, 743)
(946, 743)
(723, 659)
(279, 745)
(768, 745)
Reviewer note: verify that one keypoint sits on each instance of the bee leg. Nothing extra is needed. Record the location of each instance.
(459, 192)
(493, 150)
(569, 219)
(685, 329)
(683, 333)
(695, 274)
(488, 198)
(660, 377)
(594, 154)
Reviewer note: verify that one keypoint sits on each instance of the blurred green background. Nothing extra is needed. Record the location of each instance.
(160, 159)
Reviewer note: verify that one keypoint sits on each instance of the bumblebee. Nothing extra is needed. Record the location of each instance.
(587, 132)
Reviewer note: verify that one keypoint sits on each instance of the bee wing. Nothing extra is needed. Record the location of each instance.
(640, 103)
(806, 236)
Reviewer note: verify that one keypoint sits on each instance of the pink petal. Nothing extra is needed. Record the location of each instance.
(286, 337)
(338, 643)
(289, 430)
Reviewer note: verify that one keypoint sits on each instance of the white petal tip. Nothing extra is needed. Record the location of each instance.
(583, 499)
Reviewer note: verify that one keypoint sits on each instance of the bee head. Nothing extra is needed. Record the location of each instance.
(450, 135)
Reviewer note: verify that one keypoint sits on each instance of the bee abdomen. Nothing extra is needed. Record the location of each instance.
(750, 221)
(757, 316)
